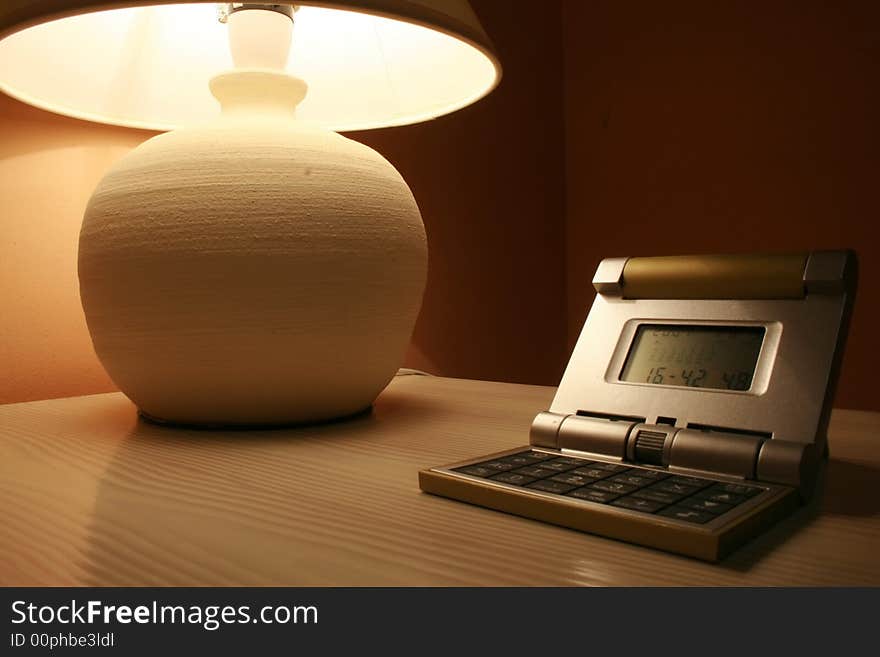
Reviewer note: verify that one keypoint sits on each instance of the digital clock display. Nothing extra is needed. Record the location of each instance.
(719, 357)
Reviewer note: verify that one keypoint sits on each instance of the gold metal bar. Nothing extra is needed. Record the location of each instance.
(716, 277)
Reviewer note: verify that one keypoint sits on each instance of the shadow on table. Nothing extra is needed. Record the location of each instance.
(184, 506)
(844, 489)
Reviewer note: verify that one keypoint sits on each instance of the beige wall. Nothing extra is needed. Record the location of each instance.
(701, 127)
(48, 166)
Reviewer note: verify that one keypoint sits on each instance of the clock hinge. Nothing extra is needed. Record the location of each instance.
(742, 455)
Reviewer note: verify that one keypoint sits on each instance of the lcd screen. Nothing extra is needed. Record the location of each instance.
(719, 357)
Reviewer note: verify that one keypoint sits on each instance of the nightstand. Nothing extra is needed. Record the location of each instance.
(93, 495)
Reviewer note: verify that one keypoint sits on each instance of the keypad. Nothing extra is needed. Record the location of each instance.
(571, 478)
(514, 478)
(526, 458)
(657, 495)
(592, 473)
(675, 488)
(501, 466)
(706, 505)
(550, 486)
(535, 471)
(593, 495)
(686, 498)
(561, 465)
(614, 487)
(638, 504)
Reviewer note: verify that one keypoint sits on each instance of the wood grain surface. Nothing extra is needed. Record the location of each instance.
(92, 495)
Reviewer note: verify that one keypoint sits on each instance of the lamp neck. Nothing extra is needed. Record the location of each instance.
(250, 91)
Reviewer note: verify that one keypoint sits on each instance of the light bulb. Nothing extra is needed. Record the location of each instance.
(259, 38)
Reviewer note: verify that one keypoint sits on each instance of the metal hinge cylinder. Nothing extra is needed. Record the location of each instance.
(739, 455)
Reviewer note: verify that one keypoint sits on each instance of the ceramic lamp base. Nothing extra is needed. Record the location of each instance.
(253, 270)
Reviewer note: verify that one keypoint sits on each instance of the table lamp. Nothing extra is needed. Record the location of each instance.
(251, 266)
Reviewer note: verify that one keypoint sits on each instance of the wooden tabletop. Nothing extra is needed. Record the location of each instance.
(92, 495)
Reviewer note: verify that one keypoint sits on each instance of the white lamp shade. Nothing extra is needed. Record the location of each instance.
(148, 66)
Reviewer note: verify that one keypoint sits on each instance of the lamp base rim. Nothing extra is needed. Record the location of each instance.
(249, 426)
